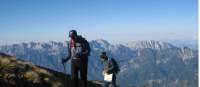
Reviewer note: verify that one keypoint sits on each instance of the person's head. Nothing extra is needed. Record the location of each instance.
(72, 34)
(103, 56)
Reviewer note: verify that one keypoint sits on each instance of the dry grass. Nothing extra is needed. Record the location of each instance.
(16, 73)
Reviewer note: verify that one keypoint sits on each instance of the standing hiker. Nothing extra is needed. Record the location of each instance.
(78, 52)
(110, 70)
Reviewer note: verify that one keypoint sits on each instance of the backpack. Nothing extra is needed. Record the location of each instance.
(116, 66)
(85, 44)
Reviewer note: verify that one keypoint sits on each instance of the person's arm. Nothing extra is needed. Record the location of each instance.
(87, 48)
(69, 54)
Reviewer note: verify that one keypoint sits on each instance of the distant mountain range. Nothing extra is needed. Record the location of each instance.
(193, 44)
(143, 63)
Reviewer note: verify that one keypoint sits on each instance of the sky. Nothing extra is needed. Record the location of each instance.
(117, 21)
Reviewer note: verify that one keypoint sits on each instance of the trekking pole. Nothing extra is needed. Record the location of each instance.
(65, 73)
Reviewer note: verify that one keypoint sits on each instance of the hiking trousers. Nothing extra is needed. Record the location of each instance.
(79, 66)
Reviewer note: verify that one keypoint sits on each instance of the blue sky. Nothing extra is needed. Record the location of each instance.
(118, 21)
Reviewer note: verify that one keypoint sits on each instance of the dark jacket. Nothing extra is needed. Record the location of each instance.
(84, 46)
(109, 66)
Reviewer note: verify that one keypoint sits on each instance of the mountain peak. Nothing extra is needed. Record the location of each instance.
(186, 53)
(158, 45)
(102, 41)
(100, 44)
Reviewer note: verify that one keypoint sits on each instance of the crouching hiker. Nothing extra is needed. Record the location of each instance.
(110, 70)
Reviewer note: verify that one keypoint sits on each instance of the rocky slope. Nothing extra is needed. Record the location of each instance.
(18, 73)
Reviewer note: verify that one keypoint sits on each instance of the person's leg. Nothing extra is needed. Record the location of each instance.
(74, 73)
(105, 84)
(110, 84)
(83, 72)
(114, 80)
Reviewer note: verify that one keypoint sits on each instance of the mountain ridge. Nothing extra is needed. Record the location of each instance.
(155, 57)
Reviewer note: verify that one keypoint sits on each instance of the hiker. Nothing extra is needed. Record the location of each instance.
(78, 52)
(110, 70)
